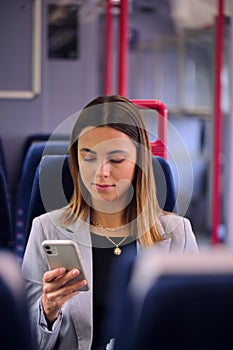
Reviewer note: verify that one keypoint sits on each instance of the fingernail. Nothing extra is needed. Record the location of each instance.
(62, 270)
(75, 272)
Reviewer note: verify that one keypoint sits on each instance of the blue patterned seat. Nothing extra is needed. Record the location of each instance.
(6, 231)
(31, 161)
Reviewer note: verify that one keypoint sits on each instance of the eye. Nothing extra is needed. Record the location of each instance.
(89, 159)
(117, 160)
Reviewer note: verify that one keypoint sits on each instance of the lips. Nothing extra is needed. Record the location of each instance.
(103, 187)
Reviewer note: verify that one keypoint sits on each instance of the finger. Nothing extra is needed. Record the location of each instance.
(52, 275)
(54, 280)
(52, 285)
(69, 276)
(66, 291)
(76, 286)
(53, 302)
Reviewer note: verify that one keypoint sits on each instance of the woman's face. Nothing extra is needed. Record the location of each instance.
(107, 161)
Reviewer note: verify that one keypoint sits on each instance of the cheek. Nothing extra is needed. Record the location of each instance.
(128, 173)
(85, 173)
(131, 171)
(125, 180)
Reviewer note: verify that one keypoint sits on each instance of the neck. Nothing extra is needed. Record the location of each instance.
(113, 208)
(108, 219)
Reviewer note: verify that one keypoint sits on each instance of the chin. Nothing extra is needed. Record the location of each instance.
(107, 199)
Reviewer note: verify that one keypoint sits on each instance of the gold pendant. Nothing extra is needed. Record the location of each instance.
(117, 251)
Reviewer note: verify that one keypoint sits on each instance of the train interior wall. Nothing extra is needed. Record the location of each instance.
(159, 68)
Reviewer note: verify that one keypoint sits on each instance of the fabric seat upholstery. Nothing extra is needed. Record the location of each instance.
(57, 193)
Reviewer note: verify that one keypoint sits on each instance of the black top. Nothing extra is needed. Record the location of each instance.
(103, 259)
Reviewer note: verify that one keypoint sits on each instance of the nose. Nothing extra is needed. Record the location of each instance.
(103, 170)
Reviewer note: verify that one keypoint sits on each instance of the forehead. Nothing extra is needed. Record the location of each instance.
(104, 138)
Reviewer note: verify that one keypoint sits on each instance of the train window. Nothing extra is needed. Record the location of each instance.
(63, 31)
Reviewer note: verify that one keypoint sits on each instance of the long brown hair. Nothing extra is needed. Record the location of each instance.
(119, 113)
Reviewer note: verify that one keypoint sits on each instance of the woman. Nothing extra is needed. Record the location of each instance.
(113, 206)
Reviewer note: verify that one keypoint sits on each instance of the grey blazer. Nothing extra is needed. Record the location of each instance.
(73, 329)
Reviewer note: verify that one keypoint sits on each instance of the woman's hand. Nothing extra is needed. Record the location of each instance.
(56, 292)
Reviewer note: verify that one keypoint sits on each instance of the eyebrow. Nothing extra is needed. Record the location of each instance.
(87, 150)
(111, 152)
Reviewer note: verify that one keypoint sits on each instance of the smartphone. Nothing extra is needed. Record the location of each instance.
(65, 253)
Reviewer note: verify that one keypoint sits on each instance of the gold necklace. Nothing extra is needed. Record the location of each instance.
(111, 229)
(117, 250)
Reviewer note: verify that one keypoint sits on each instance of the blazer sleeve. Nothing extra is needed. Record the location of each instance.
(182, 237)
(33, 267)
(190, 239)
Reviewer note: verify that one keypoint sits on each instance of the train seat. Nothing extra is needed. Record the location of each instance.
(56, 193)
(14, 322)
(183, 302)
(31, 161)
(39, 137)
(6, 229)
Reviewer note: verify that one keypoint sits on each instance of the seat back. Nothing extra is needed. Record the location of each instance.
(14, 323)
(165, 187)
(39, 137)
(185, 302)
(6, 231)
(57, 193)
(30, 139)
(192, 307)
(31, 161)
